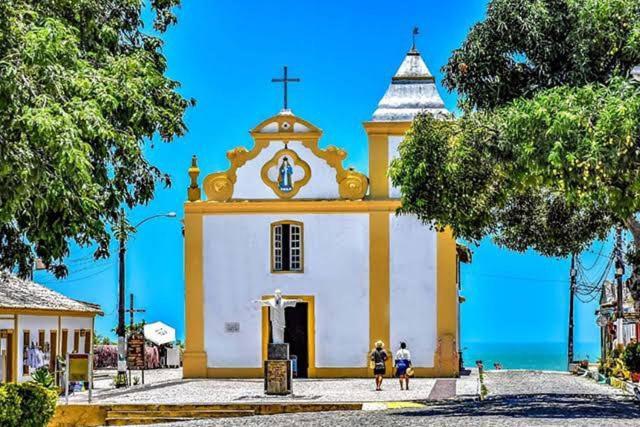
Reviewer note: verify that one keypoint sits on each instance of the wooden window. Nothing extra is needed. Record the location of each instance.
(287, 247)
(41, 340)
(64, 343)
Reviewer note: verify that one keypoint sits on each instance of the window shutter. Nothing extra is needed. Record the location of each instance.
(76, 340)
(41, 339)
(64, 343)
(53, 343)
(26, 336)
(87, 342)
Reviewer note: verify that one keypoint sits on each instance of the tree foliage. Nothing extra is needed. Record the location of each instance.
(546, 154)
(82, 90)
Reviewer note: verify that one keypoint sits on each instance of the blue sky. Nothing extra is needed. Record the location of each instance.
(225, 54)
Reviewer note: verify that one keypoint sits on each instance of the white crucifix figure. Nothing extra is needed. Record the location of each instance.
(276, 305)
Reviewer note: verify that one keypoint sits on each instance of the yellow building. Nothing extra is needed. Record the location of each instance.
(288, 215)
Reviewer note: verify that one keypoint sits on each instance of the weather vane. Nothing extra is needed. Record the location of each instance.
(285, 81)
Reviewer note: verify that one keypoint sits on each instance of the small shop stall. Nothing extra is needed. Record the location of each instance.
(37, 325)
(163, 337)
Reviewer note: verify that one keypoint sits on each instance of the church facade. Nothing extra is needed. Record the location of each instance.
(288, 215)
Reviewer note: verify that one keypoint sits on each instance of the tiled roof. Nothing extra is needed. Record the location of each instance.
(17, 293)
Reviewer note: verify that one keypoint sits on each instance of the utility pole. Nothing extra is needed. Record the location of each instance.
(122, 362)
(120, 331)
(619, 289)
(572, 289)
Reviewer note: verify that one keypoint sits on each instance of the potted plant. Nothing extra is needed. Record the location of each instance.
(631, 358)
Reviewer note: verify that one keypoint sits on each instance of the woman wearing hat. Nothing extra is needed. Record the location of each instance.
(378, 359)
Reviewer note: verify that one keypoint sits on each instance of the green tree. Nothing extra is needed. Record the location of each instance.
(82, 92)
(546, 152)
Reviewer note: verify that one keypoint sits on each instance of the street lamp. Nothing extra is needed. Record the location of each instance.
(122, 363)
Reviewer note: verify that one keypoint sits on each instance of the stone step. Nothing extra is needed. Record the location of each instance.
(143, 421)
(181, 413)
(121, 418)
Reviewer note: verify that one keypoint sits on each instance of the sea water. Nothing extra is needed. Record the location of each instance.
(538, 356)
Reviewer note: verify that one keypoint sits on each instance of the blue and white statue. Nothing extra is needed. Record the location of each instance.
(284, 176)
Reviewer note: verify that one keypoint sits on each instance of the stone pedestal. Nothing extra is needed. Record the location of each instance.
(278, 378)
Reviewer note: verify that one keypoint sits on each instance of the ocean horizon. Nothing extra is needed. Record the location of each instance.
(522, 355)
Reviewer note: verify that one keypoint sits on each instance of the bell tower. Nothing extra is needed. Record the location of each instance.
(412, 90)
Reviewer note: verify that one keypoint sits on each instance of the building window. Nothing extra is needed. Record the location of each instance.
(287, 247)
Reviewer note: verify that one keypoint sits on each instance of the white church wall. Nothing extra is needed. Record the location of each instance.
(322, 185)
(413, 280)
(237, 270)
(393, 145)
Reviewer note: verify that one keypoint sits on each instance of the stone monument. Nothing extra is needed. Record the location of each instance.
(277, 368)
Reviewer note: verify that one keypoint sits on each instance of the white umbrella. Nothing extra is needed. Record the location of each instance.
(159, 333)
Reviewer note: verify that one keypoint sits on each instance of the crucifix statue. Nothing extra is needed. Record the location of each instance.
(285, 81)
(276, 305)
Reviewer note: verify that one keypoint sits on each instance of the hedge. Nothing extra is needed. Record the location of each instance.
(26, 405)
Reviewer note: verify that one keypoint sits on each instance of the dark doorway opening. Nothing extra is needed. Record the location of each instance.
(296, 335)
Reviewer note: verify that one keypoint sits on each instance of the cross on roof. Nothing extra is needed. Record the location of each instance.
(416, 31)
(285, 81)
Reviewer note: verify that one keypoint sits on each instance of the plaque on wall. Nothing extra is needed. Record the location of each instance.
(232, 327)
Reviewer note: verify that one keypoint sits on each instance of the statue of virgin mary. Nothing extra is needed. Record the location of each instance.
(284, 176)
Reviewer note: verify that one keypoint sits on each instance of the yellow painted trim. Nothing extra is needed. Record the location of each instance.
(378, 134)
(311, 330)
(446, 357)
(46, 312)
(379, 284)
(378, 166)
(235, 372)
(386, 128)
(290, 222)
(280, 119)
(219, 186)
(297, 185)
(293, 206)
(195, 358)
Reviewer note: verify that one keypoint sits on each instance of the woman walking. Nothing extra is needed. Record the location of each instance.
(378, 360)
(403, 362)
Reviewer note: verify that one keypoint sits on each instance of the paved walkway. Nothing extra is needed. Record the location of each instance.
(168, 387)
(516, 398)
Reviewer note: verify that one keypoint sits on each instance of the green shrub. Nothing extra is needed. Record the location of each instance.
(631, 357)
(26, 405)
(10, 412)
(43, 377)
(38, 404)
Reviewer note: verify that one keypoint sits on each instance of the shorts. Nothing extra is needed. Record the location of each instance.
(379, 371)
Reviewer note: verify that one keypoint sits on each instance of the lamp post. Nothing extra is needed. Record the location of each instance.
(122, 364)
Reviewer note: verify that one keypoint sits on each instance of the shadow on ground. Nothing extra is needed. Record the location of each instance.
(544, 406)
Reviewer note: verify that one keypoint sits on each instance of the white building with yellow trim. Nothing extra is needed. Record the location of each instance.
(288, 215)
(33, 316)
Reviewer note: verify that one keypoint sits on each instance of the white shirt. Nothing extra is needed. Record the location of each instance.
(403, 354)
